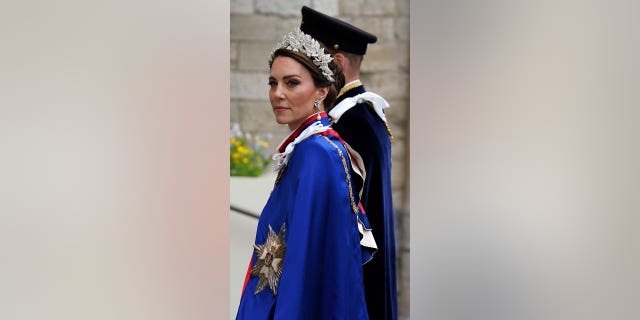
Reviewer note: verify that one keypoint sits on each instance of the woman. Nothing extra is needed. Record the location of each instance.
(312, 236)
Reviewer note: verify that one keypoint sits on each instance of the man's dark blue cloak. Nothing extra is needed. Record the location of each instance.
(363, 129)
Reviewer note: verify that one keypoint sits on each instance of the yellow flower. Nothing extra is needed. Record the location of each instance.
(248, 153)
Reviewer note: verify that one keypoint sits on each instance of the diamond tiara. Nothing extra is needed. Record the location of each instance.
(301, 42)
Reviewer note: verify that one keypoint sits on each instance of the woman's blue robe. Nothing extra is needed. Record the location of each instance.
(321, 269)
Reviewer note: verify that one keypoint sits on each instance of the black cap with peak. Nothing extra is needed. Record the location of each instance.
(335, 33)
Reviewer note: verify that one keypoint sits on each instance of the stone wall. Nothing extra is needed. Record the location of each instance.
(257, 25)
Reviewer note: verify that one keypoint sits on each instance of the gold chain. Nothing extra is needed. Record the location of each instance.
(280, 172)
(346, 172)
(354, 207)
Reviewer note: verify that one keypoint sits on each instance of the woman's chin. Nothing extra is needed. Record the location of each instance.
(280, 120)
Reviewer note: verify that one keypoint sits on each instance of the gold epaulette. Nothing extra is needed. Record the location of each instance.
(389, 130)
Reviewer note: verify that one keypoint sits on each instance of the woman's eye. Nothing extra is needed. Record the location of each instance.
(293, 83)
(271, 83)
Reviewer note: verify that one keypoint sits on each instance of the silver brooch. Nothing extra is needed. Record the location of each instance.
(268, 267)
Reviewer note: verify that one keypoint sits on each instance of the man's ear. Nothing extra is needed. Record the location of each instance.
(340, 59)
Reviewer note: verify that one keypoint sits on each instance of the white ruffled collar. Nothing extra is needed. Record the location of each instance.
(296, 136)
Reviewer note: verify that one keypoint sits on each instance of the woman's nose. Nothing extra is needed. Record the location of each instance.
(279, 93)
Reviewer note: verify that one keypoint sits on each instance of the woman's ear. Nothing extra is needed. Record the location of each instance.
(321, 93)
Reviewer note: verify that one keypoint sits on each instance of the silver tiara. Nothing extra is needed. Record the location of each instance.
(301, 42)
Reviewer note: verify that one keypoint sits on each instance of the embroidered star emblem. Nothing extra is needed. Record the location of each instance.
(268, 267)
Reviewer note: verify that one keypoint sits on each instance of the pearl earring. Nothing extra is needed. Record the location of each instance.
(316, 104)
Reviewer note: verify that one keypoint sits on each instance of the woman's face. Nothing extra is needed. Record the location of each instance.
(292, 92)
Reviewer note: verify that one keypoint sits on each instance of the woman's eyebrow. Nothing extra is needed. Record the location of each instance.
(289, 76)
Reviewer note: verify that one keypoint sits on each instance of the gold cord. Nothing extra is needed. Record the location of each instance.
(354, 206)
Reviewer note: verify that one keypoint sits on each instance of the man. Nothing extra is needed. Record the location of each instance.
(359, 118)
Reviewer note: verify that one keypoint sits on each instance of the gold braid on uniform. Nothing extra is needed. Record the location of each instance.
(347, 88)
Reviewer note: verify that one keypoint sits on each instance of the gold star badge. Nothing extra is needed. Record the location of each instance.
(268, 267)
